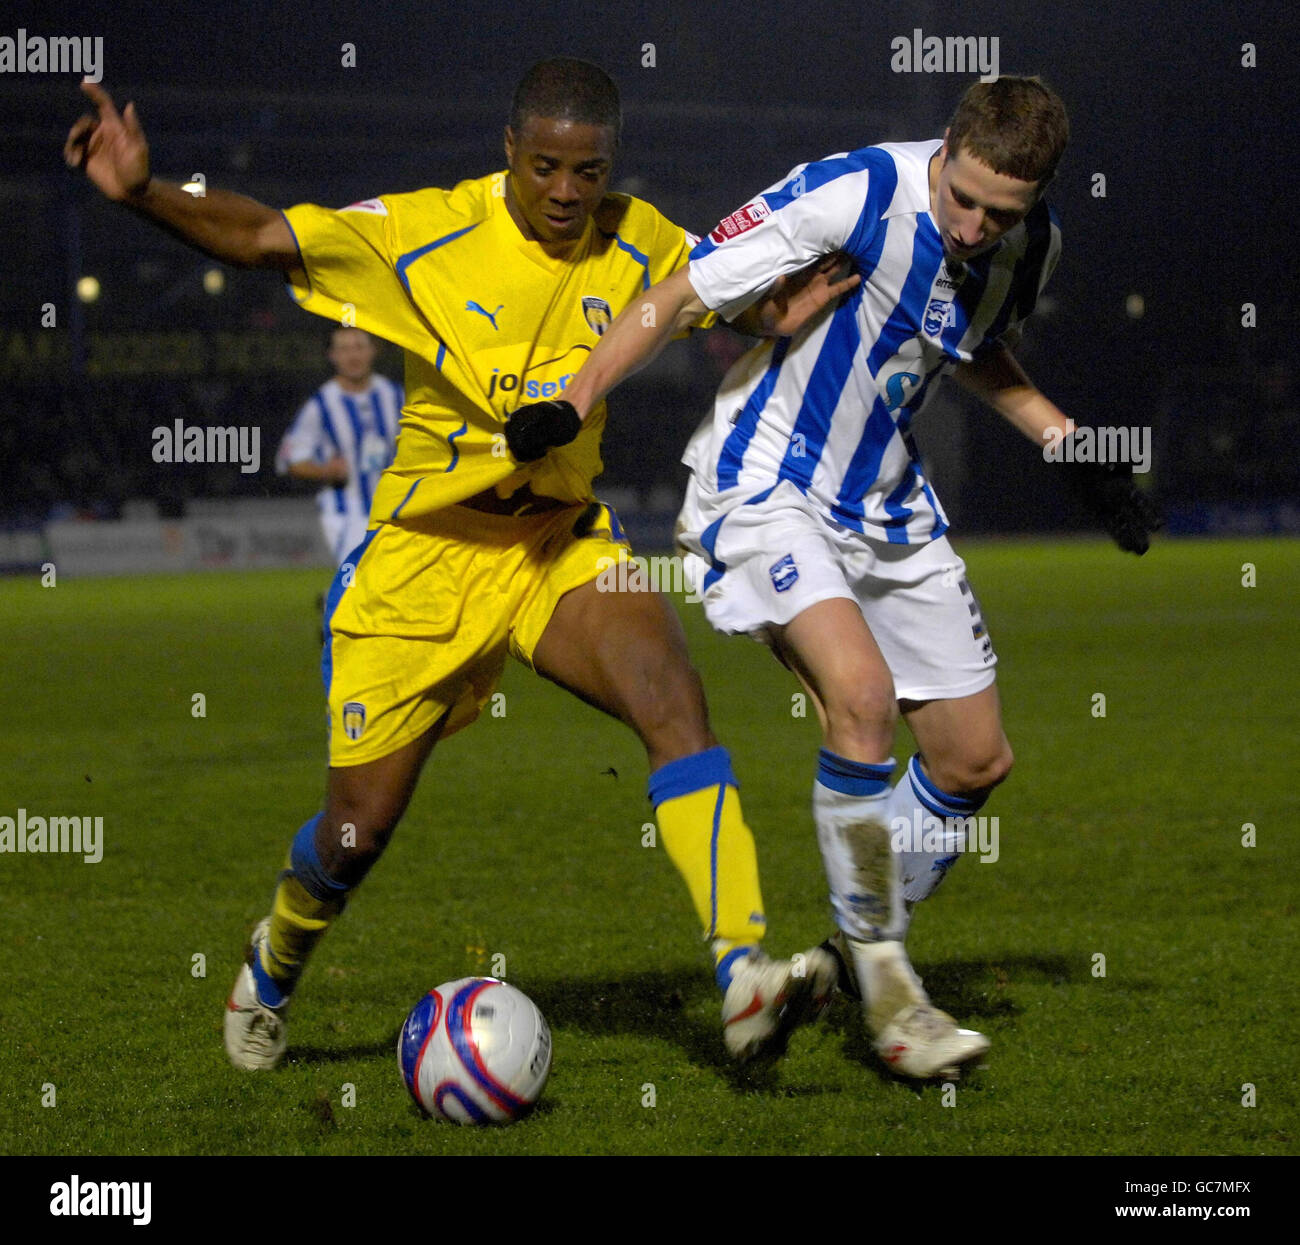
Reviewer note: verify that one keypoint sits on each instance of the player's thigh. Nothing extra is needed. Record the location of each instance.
(831, 648)
(405, 662)
(962, 743)
(921, 609)
(403, 652)
(364, 803)
(625, 652)
(774, 571)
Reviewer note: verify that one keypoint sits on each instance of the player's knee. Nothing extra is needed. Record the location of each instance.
(673, 716)
(996, 765)
(1007, 759)
(864, 713)
(976, 770)
(354, 833)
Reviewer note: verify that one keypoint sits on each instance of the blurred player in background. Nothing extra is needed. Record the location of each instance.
(344, 436)
(809, 521)
(481, 542)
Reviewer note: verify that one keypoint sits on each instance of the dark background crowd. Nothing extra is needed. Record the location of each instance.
(1142, 325)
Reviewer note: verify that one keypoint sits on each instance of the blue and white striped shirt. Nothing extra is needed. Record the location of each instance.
(359, 427)
(830, 409)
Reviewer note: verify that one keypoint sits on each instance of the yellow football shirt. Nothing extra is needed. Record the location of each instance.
(488, 321)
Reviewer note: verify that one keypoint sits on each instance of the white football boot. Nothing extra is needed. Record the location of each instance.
(913, 1037)
(768, 998)
(255, 1033)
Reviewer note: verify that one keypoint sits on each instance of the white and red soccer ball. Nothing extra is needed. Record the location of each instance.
(475, 1051)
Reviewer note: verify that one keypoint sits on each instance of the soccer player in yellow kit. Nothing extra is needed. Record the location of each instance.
(497, 290)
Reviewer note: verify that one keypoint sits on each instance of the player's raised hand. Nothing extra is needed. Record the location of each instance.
(110, 146)
(794, 300)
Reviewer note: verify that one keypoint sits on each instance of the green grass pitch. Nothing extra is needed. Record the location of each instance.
(1121, 836)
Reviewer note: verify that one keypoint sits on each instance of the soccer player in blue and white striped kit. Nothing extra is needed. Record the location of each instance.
(344, 436)
(809, 522)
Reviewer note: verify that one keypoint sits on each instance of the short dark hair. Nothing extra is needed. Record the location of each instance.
(569, 89)
(349, 328)
(1017, 126)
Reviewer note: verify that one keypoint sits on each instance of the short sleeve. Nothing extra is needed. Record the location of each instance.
(351, 276)
(833, 205)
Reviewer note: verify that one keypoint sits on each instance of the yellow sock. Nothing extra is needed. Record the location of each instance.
(298, 922)
(299, 917)
(705, 835)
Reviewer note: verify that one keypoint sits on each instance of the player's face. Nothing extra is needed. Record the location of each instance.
(973, 206)
(558, 174)
(352, 353)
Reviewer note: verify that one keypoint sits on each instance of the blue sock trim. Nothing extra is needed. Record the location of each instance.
(709, 768)
(269, 992)
(942, 803)
(307, 868)
(728, 962)
(853, 777)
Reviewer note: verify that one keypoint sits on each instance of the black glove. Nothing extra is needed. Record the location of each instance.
(1109, 494)
(532, 430)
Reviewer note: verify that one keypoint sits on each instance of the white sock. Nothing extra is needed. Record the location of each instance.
(850, 802)
(929, 831)
(885, 980)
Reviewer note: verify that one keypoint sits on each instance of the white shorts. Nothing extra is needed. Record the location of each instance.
(343, 532)
(759, 564)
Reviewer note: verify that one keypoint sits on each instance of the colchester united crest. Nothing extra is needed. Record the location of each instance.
(354, 719)
(598, 313)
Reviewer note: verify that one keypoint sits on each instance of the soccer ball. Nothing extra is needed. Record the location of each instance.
(475, 1051)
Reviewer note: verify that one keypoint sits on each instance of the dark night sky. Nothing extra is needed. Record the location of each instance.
(1198, 152)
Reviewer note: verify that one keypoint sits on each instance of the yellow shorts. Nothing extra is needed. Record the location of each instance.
(421, 626)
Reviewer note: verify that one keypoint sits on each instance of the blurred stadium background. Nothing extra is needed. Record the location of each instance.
(1142, 326)
(1122, 834)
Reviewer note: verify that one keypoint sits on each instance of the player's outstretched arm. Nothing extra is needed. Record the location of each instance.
(111, 148)
(1107, 490)
(334, 471)
(635, 337)
(997, 377)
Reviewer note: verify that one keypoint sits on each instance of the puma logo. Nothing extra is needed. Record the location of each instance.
(491, 315)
